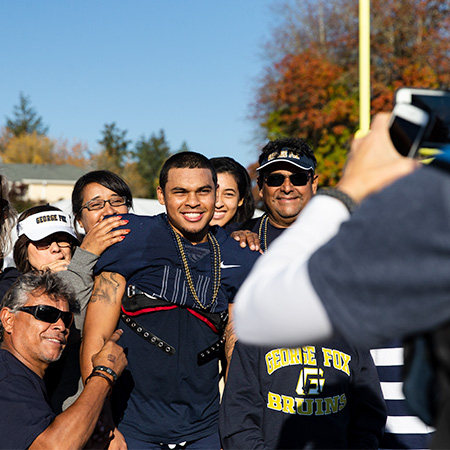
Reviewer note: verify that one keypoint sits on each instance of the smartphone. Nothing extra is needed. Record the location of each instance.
(437, 103)
(407, 128)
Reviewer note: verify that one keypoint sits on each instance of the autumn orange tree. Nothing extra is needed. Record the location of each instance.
(310, 85)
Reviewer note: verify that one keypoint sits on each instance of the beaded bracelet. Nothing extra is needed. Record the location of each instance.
(348, 202)
(99, 374)
(108, 370)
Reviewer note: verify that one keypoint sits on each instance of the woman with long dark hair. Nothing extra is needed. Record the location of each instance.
(235, 202)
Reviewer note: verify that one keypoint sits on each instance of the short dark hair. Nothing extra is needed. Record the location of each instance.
(37, 283)
(186, 160)
(20, 251)
(225, 164)
(296, 145)
(108, 179)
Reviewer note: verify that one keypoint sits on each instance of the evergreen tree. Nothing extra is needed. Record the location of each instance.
(150, 155)
(184, 147)
(114, 149)
(26, 119)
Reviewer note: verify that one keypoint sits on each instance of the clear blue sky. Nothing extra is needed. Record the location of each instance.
(185, 66)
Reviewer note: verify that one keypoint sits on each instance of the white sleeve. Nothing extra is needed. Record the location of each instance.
(268, 308)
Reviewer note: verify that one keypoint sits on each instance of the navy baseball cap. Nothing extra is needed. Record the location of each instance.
(290, 156)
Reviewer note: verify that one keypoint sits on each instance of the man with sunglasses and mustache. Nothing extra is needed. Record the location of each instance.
(286, 182)
(35, 318)
(315, 396)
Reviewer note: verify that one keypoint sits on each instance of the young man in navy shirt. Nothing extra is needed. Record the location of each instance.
(171, 284)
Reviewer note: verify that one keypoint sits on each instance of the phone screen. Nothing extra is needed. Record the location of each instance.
(439, 106)
(403, 134)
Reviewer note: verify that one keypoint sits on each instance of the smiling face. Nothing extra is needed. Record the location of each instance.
(95, 191)
(284, 203)
(35, 343)
(228, 200)
(189, 197)
(38, 256)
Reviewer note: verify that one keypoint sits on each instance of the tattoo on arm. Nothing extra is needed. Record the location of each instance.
(105, 288)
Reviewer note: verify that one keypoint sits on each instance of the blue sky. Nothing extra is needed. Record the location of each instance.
(188, 67)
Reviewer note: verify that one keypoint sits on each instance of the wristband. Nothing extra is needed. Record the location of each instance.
(107, 370)
(348, 202)
(99, 374)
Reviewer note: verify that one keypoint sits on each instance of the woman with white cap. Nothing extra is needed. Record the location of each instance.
(46, 239)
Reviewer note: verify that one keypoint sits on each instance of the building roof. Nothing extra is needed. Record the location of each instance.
(52, 173)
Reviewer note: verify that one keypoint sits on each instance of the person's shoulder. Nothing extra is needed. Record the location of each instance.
(339, 343)
(142, 221)
(13, 369)
(251, 224)
(7, 278)
(142, 228)
(230, 246)
(7, 359)
(230, 227)
(9, 272)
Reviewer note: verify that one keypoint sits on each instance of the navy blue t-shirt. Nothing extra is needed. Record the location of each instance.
(7, 278)
(25, 411)
(161, 397)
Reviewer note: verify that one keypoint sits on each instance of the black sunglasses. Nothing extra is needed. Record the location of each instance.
(61, 242)
(49, 314)
(297, 179)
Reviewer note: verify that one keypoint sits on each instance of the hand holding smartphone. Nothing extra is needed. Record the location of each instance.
(436, 102)
(407, 128)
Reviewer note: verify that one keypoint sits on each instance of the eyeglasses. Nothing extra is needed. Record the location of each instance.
(297, 179)
(49, 314)
(45, 244)
(96, 204)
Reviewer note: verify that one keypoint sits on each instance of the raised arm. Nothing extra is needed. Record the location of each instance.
(102, 316)
(72, 428)
(102, 235)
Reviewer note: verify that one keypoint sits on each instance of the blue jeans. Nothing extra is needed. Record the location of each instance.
(207, 443)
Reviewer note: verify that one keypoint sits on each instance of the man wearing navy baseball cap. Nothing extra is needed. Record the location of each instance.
(281, 397)
(287, 182)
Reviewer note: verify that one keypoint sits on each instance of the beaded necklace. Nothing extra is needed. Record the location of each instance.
(262, 232)
(215, 265)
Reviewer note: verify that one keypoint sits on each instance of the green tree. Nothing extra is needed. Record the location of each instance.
(114, 153)
(25, 119)
(184, 147)
(150, 154)
(310, 84)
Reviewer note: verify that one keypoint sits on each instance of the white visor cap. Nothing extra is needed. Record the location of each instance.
(39, 226)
